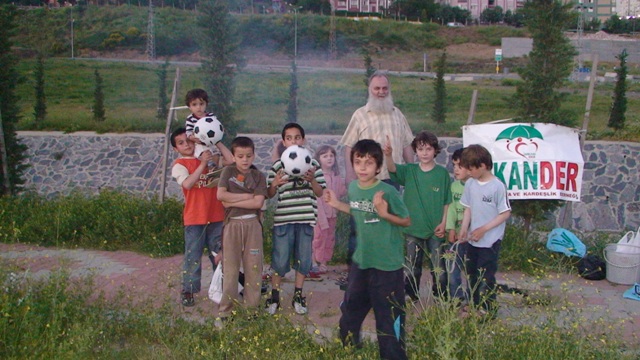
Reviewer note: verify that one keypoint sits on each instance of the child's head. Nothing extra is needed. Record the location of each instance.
(459, 173)
(426, 138)
(292, 134)
(197, 100)
(426, 146)
(326, 156)
(243, 150)
(242, 142)
(368, 148)
(196, 94)
(476, 157)
(181, 143)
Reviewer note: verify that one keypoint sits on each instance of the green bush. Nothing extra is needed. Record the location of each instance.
(108, 221)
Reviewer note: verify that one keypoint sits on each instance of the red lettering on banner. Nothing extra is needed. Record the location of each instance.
(572, 174)
(560, 174)
(546, 175)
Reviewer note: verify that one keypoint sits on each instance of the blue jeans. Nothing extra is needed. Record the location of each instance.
(196, 238)
(292, 240)
(416, 249)
(456, 288)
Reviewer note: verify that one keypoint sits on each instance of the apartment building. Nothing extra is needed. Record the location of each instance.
(601, 9)
(368, 6)
(628, 8)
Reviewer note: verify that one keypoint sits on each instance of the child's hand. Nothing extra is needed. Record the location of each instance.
(477, 234)
(206, 156)
(195, 139)
(380, 203)
(310, 175)
(452, 236)
(330, 197)
(280, 178)
(387, 150)
(462, 236)
(439, 231)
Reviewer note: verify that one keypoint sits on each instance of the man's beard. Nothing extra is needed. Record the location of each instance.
(380, 106)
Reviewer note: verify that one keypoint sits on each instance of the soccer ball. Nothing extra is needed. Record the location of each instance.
(296, 160)
(209, 130)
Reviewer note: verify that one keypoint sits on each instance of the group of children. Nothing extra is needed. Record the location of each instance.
(433, 216)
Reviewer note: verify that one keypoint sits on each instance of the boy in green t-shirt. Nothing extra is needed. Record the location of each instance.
(455, 215)
(427, 194)
(376, 273)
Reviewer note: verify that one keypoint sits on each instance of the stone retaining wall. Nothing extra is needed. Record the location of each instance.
(60, 163)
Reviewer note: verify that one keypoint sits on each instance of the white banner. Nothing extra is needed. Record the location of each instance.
(535, 161)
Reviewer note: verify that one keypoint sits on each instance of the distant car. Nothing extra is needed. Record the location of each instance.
(455, 24)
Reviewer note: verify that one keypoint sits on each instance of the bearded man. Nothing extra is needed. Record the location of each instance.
(378, 120)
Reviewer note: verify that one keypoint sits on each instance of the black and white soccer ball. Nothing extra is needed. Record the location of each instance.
(296, 160)
(209, 130)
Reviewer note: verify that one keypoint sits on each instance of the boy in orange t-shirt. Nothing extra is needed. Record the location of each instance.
(203, 214)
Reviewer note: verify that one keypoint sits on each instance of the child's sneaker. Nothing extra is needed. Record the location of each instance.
(187, 299)
(313, 276)
(272, 306)
(319, 270)
(299, 304)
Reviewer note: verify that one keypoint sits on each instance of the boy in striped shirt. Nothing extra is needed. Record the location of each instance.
(293, 221)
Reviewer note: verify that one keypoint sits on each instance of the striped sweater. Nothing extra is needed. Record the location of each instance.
(296, 202)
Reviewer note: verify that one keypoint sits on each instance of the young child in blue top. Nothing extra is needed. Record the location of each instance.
(455, 214)
(486, 211)
(293, 221)
(376, 273)
(427, 194)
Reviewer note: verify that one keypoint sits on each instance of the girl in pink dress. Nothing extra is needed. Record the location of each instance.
(324, 236)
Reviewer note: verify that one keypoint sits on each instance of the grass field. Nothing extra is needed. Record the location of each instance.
(326, 100)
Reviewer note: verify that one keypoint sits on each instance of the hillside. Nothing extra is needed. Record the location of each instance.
(119, 31)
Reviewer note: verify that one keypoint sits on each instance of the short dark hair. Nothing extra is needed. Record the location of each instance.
(457, 154)
(475, 156)
(292, 125)
(194, 94)
(242, 142)
(179, 131)
(426, 138)
(368, 147)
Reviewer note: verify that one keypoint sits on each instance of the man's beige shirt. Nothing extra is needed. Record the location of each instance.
(366, 124)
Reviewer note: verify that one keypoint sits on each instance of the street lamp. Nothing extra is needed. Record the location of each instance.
(295, 31)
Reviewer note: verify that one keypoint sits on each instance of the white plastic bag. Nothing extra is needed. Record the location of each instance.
(215, 289)
(629, 243)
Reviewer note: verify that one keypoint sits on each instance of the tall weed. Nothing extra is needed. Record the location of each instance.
(108, 221)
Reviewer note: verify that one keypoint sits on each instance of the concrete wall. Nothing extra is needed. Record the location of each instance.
(60, 163)
(606, 49)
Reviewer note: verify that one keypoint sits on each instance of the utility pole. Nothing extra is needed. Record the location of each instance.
(151, 39)
(333, 48)
(71, 17)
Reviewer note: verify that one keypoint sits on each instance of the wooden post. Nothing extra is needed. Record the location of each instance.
(587, 110)
(472, 108)
(5, 166)
(167, 129)
(566, 213)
